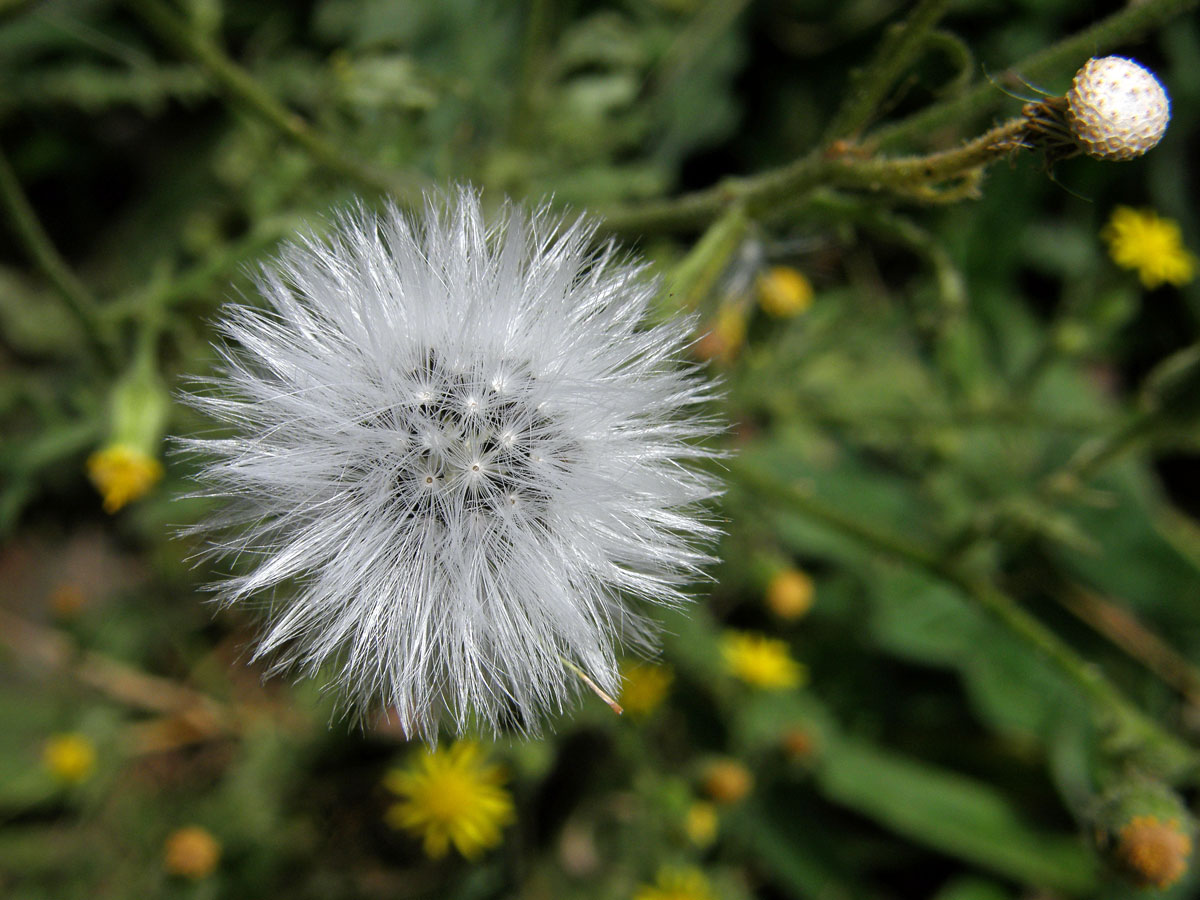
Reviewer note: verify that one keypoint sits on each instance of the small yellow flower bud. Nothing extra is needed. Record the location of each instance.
(790, 594)
(727, 781)
(122, 474)
(191, 852)
(126, 467)
(784, 292)
(1071, 337)
(70, 758)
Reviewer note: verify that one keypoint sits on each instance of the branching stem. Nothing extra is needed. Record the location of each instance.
(789, 185)
(922, 178)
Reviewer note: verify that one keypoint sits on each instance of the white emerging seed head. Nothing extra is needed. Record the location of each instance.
(1117, 109)
(462, 460)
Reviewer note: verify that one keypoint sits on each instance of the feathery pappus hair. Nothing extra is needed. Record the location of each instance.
(463, 462)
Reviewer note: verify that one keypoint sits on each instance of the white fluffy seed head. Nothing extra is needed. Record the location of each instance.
(462, 462)
(1116, 108)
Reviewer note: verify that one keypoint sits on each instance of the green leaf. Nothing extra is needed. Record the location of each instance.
(954, 814)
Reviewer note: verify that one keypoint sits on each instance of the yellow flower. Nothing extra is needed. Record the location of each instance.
(790, 594)
(451, 796)
(1154, 852)
(761, 661)
(191, 852)
(700, 822)
(122, 473)
(1139, 239)
(644, 685)
(70, 758)
(784, 292)
(676, 884)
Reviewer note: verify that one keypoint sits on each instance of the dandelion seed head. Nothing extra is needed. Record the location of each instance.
(462, 457)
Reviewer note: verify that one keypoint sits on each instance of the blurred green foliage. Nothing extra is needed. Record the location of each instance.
(980, 424)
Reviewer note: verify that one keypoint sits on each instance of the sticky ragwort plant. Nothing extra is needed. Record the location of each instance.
(449, 463)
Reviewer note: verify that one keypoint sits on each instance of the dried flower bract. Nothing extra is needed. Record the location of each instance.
(462, 460)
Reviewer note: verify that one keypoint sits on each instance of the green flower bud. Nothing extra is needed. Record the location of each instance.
(1144, 830)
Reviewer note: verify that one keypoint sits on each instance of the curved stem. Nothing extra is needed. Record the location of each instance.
(45, 255)
(908, 175)
(692, 281)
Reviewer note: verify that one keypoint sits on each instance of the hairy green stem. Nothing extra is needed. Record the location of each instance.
(917, 177)
(901, 45)
(242, 87)
(1132, 736)
(692, 281)
(45, 255)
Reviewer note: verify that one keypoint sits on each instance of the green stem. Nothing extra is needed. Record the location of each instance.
(243, 87)
(691, 282)
(1131, 733)
(896, 52)
(916, 177)
(1117, 29)
(45, 256)
(1094, 456)
(1057, 485)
